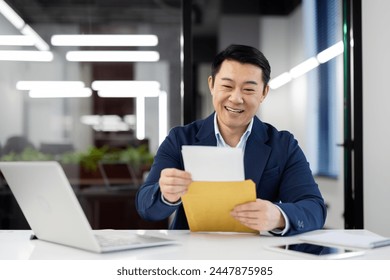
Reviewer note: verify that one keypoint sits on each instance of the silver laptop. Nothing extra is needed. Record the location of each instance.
(53, 212)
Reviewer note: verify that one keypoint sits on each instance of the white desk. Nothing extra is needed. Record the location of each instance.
(15, 245)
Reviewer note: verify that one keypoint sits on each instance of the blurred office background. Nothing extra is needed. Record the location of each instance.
(99, 107)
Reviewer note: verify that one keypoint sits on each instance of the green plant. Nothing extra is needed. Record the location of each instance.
(88, 160)
(28, 154)
(137, 157)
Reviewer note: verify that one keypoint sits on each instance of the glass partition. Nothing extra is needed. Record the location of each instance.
(89, 83)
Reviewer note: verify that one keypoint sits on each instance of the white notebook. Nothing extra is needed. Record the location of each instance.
(355, 239)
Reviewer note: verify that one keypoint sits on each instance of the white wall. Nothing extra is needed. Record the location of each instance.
(277, 109)
(376, 115)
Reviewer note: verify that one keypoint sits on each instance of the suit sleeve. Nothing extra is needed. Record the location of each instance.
(299, 194)
(148, 199)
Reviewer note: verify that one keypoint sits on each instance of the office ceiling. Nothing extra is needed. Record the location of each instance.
(152, 11)
(96, 11)
(95, 16)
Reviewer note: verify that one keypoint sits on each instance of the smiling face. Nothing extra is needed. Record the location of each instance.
(237, 92)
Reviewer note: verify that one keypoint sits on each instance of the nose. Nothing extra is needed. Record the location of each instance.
(236, 97)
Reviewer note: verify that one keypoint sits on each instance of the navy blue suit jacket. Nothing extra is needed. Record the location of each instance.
(272, 159)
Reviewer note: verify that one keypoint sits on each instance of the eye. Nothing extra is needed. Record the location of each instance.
(227, 86)
(249, 90)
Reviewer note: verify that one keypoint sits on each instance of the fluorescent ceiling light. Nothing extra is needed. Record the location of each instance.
(125, 94)
(280, 80)
(16, 40)
(39, 42)
(112, 56)
(19, 23)
(64, 85)
(307, 65)
(304, 67)
(11, 15)
(331, 52)
(90, 119)
(105, 122)
(127, 88)
(43, 56)
(130, 119)
(121, 126)
(60, 93)
(104, 40)
(125, 85)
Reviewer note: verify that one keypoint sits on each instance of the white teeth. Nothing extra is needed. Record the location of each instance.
(234, 110)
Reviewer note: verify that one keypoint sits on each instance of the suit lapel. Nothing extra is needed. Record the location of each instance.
(256, 152)
(206, 133)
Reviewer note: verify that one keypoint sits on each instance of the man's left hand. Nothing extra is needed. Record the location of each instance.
(261, 215)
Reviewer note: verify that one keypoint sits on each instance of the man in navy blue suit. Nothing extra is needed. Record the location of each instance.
(288, 199)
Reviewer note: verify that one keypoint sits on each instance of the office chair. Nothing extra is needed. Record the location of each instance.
(16, 144)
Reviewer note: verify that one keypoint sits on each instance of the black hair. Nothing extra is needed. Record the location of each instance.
(243, 54)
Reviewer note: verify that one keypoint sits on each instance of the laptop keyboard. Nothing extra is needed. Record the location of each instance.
(115, 240)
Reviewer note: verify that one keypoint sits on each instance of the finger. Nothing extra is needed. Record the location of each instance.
(173, 172)
(173, 190)
(248, 222)
(175, 181)
(249, 206)
(258, 205)
(245, 215)
(175, 177)
(251, 223)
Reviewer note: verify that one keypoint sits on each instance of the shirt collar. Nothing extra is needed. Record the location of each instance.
(221, 142)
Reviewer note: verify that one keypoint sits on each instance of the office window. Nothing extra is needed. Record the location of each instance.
(306, 93)
(328, 33)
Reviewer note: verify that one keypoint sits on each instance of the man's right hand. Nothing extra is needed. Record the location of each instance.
(174, 183)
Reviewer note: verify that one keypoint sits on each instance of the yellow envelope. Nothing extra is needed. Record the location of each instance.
(208, 205)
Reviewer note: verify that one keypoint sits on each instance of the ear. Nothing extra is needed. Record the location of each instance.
(210, 82)
(265, 93)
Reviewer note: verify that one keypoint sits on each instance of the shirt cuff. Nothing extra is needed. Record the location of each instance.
(286, 222)
(168, 203)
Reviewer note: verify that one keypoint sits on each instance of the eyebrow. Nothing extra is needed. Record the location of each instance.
(246, 82)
